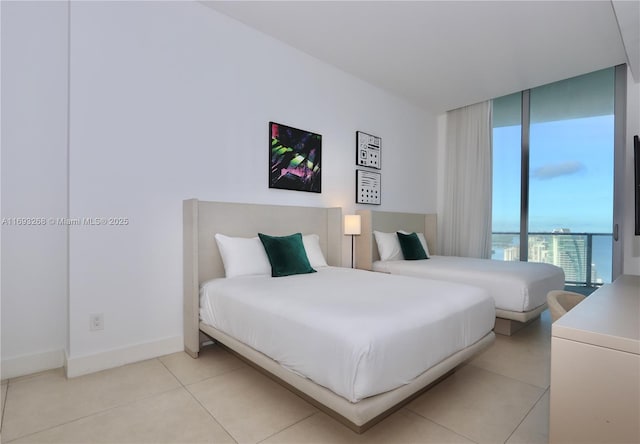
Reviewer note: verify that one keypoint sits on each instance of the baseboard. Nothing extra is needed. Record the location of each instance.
(82, 365)
(34, 363)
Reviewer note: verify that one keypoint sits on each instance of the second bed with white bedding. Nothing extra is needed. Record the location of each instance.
(515, 286)
(355, 332)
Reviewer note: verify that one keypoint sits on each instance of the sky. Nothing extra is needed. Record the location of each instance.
(571, 176)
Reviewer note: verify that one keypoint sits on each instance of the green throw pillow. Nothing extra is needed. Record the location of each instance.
(411, 246)
(286, 254)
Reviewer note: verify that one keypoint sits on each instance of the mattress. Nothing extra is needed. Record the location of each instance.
(514, 286)
(354, 332)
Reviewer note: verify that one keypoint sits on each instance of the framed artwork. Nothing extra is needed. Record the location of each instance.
(368, 150)
(294, 159)
(368, 187)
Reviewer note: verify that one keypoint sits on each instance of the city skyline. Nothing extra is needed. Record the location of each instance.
(571, 176)
(566, 250)
(570, 189)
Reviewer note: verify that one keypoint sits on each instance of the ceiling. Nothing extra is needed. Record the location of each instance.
(441, 55)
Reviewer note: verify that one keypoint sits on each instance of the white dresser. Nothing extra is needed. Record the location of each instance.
(595, 368)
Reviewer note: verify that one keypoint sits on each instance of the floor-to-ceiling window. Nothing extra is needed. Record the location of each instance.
(507, 129)
(553, 149)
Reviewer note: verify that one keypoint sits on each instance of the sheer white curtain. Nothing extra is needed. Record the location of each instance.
(466, 218)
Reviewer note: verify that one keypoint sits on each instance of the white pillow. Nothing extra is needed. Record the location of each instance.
(311, 244)
(243, 256)
(389, 245)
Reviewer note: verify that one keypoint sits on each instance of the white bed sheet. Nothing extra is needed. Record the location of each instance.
(355, 332)
(514, 286)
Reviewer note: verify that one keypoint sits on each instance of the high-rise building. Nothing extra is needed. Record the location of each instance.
(511, 253)
(570, 253)
(538, 249)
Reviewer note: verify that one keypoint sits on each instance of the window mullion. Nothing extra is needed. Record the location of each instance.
(524, 177)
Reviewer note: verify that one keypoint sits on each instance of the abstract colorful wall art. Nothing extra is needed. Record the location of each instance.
(295, 157)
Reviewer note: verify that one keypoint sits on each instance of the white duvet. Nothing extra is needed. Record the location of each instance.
(355, 332)
(514, 286)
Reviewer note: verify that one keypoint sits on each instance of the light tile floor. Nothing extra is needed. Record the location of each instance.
(500, 396)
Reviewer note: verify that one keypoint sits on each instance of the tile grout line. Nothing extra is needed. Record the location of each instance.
(170, 372)
(27, 377)
(211, 415)
(133, 401)
(469, 364)
(226, 372)
(186, 389)
(440, 425)
(289, 426)
(201, 380)
(544, 389)
(4, 405)
(159, 358)
(92, 414)
(527, 414)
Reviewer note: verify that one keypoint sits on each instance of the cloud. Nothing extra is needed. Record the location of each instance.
(554, 170)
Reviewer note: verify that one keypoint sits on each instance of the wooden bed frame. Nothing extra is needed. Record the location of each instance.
(202, 262)
(507, 322)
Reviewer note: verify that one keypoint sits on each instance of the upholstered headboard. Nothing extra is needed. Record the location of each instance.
(366, 248)
(201, 258)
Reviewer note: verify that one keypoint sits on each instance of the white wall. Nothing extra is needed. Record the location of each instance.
(172, 101)
(631, 243)
(34, 184)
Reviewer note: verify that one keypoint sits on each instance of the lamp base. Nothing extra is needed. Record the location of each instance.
(352, 252)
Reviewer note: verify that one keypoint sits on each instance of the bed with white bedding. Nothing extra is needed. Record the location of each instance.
(519, 289)
(387, 338)
(516, 287)
(378, 332)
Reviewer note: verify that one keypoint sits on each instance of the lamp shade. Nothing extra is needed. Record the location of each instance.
(352, 224)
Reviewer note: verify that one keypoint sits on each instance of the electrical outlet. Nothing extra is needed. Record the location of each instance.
(96, 322)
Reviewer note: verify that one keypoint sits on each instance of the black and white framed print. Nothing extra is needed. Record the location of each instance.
(368, 150)
(368, 190)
